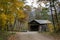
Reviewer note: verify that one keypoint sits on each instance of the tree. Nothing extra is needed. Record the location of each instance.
(12, 11)
(44, 13)
(55, 15)
(3, 19)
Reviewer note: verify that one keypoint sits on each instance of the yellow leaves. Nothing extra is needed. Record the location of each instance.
(19, 4)
(21, 14)
(3, 19)
(27, 7)
(3, 16)
(11, 18)
(51, 28)
(9, 7)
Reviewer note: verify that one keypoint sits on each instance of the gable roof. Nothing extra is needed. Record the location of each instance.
(42, 21)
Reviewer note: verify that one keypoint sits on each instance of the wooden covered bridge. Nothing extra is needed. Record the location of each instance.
(39, 25)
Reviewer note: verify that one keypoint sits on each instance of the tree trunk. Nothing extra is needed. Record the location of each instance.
(52, 16)
(56, 16)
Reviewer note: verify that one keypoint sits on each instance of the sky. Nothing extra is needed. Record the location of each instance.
(29, 2)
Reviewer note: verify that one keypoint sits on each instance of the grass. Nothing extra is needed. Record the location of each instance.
(56, 36)
(4, 35)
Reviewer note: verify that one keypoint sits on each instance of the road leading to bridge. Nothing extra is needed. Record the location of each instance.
(31, 36)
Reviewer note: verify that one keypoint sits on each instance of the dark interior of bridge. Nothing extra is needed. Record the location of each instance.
(34, 27)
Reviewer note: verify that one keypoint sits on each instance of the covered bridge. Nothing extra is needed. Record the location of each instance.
(38, 25)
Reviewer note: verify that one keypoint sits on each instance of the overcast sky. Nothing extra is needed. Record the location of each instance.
(29, 2)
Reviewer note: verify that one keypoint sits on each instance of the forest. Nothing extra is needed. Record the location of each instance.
(15, 15)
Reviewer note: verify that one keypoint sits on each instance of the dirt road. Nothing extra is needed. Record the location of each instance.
(31, 36)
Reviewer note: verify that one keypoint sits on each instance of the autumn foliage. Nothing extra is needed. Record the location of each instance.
(9, 11)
